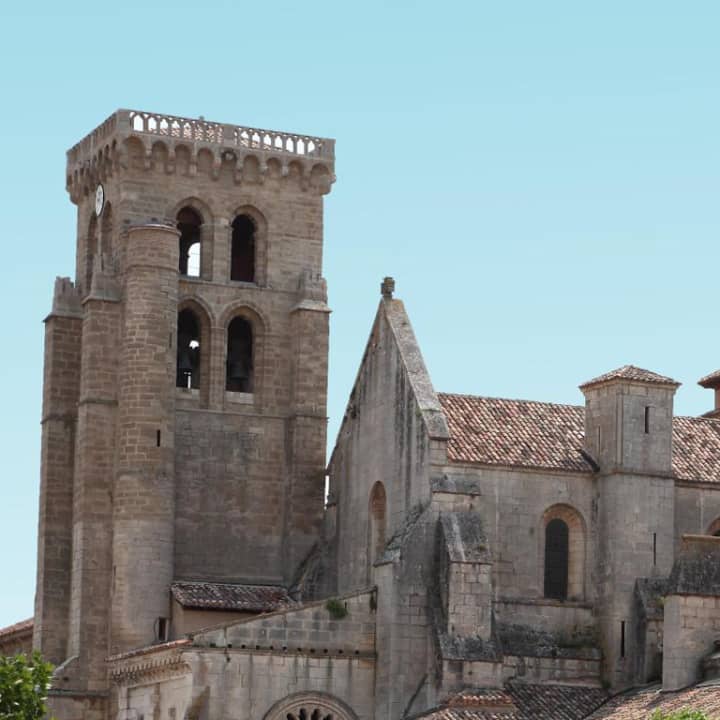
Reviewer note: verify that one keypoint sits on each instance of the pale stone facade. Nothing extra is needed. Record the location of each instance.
(472, 552)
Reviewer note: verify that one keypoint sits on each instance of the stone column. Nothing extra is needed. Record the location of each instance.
(144, 497)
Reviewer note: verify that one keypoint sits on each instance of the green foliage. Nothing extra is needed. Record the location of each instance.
(679, 715)
(24, 685)
(337, 609)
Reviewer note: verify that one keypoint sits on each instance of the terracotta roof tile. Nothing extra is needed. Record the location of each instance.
(711, 380)
(523, 433)
(519, 701)
(514, 432)
(226, 596)
(630, 372)
(19, 628)
(641, 704)
(696, 449)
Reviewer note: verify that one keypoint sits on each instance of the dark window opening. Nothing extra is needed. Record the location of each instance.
(716, 533)
(556, 559)
(157, 438)
(242, 262)
(647, 420)
(622, 638)
(189, 223)
(163, 629)
(239, 371)
(654, 548)
(188, 350)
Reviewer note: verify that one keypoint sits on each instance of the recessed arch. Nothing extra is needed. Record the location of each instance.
(310, 706)
(563, 540)
(136, 152)
(377, 522)
(91, 247)
(714, 528)
(106, 232)
(159, 153)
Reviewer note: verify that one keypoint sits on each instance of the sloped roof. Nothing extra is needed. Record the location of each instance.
(711, 380)
(496, 431)
(632, 373)
(524, 433)
(696, 448)
(19, 628)
(226, 596)
(520, 701)
(641, 704)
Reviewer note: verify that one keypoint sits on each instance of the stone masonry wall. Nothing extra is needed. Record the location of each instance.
(691, 624)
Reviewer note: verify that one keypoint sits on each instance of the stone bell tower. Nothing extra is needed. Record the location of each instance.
(184, 405)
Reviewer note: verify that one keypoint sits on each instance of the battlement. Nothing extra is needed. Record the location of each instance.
(106, 148)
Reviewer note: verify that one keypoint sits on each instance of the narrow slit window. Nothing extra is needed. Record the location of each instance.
(157, 438)
(622, 638)
(654, 548)
(647, 420)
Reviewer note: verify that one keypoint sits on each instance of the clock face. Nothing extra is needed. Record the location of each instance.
(99, 199)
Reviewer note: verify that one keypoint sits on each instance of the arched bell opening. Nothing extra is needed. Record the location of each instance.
(188, 350)
(239, 372)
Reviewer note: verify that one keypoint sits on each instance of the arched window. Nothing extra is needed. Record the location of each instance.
(189, 223)
(239, 365)
(714, 528)
(557, 546)
(242, 261)
(188, 350)
(377, 522)
(310, 706)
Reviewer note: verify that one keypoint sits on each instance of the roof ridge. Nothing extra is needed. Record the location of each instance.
(507, 399)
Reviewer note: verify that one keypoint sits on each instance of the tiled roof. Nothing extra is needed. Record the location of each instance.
(710, 380)
(514, 432)
(226, 596)
(641, 704)
(19, 628)
(519, 701)
(696, 449)
(632, 373)
(523, 433)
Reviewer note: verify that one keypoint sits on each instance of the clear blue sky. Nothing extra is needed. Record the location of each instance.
(542, 179)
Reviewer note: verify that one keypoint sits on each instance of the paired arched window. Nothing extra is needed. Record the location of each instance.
(242, 260)
(239, 364)
(189, 224)
(557, 539)
(377, 522)
(563, 554)
(188, 350)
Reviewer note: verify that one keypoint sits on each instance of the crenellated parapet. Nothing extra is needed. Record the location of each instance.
(132, 140)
